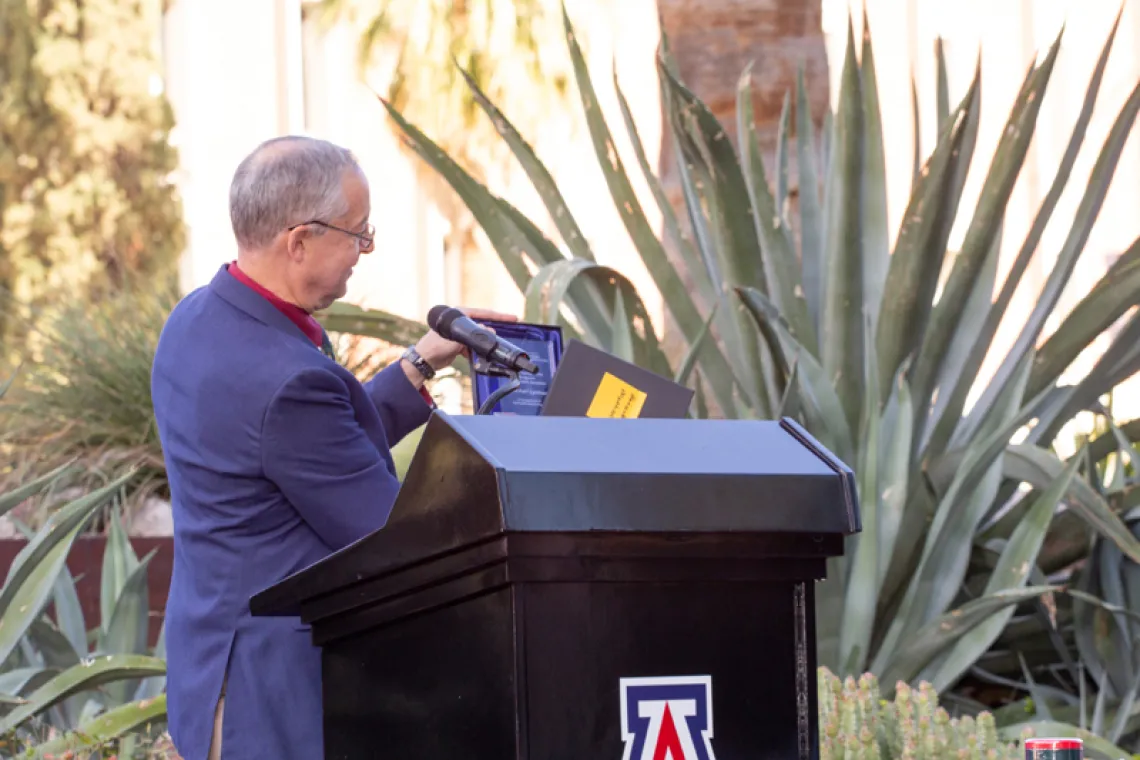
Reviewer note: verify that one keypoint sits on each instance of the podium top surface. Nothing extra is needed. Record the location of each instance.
(642, 447)
(474, 478)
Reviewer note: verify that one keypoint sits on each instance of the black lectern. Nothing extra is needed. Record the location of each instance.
(582, 589)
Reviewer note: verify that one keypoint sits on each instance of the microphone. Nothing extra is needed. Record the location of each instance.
(454, 325)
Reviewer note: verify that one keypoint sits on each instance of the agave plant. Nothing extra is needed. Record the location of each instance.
(1091, 680)
(867, 345)
(59, 682)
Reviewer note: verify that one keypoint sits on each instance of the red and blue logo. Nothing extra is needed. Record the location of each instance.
(667, 718)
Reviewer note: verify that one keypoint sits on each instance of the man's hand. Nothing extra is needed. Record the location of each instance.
(440, 352)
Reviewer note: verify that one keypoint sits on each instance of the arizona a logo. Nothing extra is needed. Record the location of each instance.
(667, 718)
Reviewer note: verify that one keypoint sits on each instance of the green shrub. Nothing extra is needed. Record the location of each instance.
(82, 393)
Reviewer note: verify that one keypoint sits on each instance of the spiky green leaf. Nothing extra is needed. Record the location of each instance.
(88, 674)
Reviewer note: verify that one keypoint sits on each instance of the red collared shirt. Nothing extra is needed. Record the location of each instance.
(298, 316)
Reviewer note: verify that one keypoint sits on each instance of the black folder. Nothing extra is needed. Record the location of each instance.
(594, 383)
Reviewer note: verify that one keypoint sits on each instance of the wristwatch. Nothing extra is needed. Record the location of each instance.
(417, 361)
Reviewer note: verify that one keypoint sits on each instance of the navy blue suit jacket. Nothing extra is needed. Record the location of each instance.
(276, 457)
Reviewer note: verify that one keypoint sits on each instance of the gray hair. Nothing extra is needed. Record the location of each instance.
(287, 181)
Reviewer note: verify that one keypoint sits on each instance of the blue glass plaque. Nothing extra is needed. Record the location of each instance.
(543, 343)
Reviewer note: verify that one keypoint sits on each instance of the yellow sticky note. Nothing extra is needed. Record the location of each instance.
(616, 398)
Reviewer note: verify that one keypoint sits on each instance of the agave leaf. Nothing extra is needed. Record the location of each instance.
(693, 264)
(785, 288)
(1120, 724)
(119, 561)
(1012, 571)
(897, 425)
(917, 126)
(539, 176)
(509, 242)
(36, 567)
(863, 580)
(674, 294)
(706, 264)
(543, 248)
(1077, 715)
(1066, 261)
(943, 83)
(15, 497)
(549, 287)
(68, 612)
(689, 361)
(1037, 466)
(739, 257)
(781, 159)
(622, 346)
(54, 649)
(126, 633)
(700, 409)
(513, 244)
(779, 339)
(1109, 563)
(873, 192)
(116, 723)
(946, 546)
(939, 634)
(584, 299)
(790, 403)
(841, 345)
(55, 653)
(743, 352)
(1039, 702)
(13, 681)
(89, 674)
(912, 274)
(153, 686)
(1113, 295)
(816, 391)
(954, 378)
(811, 215)
(969, 367)
(1119, 361)
(1004, 171)
(347, 318)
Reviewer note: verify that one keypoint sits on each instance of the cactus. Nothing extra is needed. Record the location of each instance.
(856, 723)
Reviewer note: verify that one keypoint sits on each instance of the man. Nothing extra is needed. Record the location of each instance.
(276, 455)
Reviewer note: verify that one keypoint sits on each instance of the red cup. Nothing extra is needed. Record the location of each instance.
(1054, 749)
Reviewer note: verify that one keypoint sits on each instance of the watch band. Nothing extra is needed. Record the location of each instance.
(417, 361)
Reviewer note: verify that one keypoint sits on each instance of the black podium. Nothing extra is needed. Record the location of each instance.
(582, 589)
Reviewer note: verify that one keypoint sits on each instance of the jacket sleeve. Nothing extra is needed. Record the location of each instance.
(322, 460)
(401, 407)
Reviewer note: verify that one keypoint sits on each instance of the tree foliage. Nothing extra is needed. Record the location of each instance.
(86, 189)
(425, 50)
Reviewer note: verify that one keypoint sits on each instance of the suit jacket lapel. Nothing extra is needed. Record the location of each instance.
(234, 292)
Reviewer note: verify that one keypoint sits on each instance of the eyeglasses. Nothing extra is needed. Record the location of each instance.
(367, 238)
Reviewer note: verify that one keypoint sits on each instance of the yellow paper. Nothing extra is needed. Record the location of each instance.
(616, 398)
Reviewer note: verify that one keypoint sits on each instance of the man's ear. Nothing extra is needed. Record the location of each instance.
(296, 241)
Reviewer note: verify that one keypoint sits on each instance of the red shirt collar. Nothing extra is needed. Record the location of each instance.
(303, 319)
(298, 316)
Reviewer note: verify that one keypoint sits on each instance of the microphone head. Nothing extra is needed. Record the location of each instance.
(441, 317)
